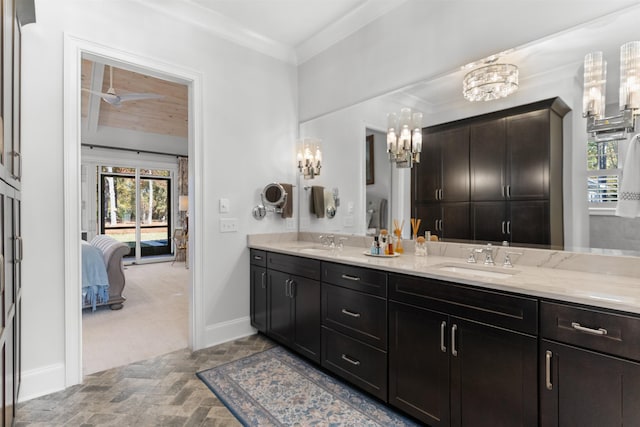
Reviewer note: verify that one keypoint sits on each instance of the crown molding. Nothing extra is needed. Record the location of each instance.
(359, 17)
(223, 27)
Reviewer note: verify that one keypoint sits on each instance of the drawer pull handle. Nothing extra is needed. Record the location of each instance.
(454, 328)
(578, 327)
(350, 360)
(348, 277)
(547, 375)
(350, 313)
(257, 257)
(443, 347)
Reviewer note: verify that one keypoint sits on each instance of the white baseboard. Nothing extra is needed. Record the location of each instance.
(228, 331)
(41, 381)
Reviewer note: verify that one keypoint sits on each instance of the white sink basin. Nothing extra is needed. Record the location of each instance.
(315, 250)
(477, 271)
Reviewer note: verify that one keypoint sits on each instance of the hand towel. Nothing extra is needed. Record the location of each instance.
(629, 195)
(317, 201)
(382, 214)
(287, 208)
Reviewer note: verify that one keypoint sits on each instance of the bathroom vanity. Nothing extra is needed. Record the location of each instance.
(452, 343)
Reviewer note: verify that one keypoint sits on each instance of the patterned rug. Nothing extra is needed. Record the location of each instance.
(276, 388)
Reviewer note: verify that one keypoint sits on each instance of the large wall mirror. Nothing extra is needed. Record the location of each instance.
(550, 67)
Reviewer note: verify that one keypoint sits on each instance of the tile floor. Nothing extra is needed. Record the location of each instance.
(161, 391)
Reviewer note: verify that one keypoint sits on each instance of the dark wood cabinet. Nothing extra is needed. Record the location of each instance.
(493, 376)
(259, 297)
(443, 174)
(448, 221)
(293, 312)
(525, 223)
(583, 388)
(510, 156)
(354, 326)
(419, 363)
(488, 160)
(589, 365)
(445, 369)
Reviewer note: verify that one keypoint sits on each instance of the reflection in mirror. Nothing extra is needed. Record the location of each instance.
(378, 182)
(550, 67)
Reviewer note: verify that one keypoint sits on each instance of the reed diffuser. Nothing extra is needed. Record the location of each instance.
(397, 231)
(415, 227)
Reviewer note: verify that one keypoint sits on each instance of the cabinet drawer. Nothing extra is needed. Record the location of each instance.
(360, 279)
(356, 314)
(358, 363)
(485, 306)
(305, 267)
(258, 257)
(611, 333)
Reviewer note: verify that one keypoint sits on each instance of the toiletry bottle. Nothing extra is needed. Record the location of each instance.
(374, 246)
(376, 240)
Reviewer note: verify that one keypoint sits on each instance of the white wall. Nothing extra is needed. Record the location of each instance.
(250, 122)
(423, 39)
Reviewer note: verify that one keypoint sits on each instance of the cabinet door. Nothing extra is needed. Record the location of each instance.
(431, 214)
(259, 298)
(454, 148)
(489, 221)
(306, 317)
(419, 363)
(529, 223)
(426, 174)
(279, 316)
(487, 158)
(528, 155)
(583, 388)
(493, 376)
(455, 221)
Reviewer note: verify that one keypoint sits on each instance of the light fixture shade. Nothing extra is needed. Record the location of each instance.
(309, 157)
(595, 84)
(404, 137)
(490, 82)
(183, 203)
(630, 75)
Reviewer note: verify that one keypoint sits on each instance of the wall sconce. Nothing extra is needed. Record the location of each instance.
(404, 137)
(309, 157)
(615, 127)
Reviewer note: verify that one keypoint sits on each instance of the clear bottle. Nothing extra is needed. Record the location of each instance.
(375, 246)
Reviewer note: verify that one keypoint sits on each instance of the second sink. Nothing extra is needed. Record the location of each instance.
(476, 271)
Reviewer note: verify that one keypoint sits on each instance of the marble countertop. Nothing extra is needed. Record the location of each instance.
(600, 290)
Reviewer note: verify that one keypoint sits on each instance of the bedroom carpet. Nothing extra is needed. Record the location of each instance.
(153, 320)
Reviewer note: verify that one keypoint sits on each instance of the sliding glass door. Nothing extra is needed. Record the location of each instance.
(136, 209)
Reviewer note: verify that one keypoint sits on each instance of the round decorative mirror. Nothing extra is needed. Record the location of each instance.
(274, 195)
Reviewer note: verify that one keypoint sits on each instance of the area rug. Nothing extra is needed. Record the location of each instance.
(276, 388)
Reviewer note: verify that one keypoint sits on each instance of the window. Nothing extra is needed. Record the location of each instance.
(603, 173)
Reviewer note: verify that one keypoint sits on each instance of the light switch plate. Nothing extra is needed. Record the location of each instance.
(228, 225)
(224, 206)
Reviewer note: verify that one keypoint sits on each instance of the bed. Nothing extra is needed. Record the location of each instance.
(102, 272)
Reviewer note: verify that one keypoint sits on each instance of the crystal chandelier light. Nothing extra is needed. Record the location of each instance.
(404, 137)
(491, 81)
(309, 157)
(603, 128)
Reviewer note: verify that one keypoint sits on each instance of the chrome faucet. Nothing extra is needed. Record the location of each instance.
(328, 240)
(507, 259)
(488, 254)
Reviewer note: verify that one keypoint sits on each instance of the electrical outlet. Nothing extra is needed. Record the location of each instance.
(291, 224)
(224, 206)
(348, 221)
(228, 225)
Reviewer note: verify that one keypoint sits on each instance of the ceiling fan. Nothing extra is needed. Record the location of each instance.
(111, 97)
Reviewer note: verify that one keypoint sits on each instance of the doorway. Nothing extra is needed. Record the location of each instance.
(75, 49)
